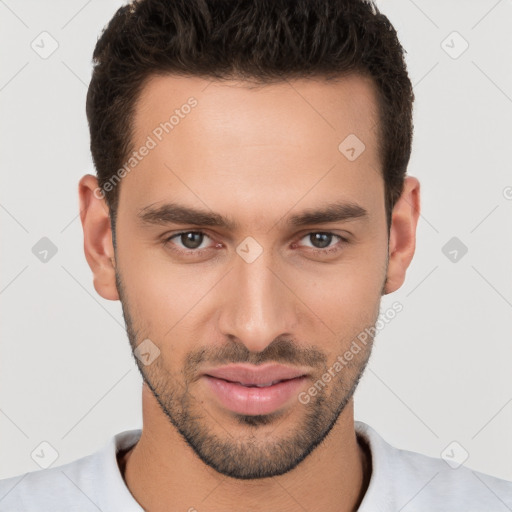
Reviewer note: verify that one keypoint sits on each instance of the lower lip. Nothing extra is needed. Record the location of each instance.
(253, 401)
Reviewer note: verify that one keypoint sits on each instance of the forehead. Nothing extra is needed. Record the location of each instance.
(260, 111)
(214, 140)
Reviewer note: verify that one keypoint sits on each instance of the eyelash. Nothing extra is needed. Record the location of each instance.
(197, 252)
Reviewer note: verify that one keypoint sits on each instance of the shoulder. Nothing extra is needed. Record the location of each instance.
(46, 487)
(429, 481)
(83, 485)
(417, 482)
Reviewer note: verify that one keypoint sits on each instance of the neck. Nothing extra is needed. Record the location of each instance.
(332, 478)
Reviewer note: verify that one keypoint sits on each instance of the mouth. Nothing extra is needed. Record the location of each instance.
(251, 390)
(251, 375)
(267, 385)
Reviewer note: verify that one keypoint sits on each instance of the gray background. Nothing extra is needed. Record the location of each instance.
(440, 371)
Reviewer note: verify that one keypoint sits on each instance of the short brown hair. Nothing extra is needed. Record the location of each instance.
(257, 40)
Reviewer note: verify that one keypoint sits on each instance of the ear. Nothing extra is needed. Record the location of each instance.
(98, 247)
(402, 238)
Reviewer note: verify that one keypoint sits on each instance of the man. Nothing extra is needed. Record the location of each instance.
(251, 208)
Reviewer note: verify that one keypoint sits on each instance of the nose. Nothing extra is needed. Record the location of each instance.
(258, 306)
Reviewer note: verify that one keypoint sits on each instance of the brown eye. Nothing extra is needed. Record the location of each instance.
(191, 239)
(320, 240)
(187, 240)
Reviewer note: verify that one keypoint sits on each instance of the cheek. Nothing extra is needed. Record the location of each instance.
(345, 297)
(165, 299)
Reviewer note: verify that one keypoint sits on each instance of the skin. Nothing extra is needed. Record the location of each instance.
(256, 155)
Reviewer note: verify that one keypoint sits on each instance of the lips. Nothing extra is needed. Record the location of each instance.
(252, 390)
(253, 376)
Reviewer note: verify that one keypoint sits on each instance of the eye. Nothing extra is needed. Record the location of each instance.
(321, 241)
(189, 240)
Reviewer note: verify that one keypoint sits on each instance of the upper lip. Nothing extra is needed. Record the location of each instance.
(257, 375)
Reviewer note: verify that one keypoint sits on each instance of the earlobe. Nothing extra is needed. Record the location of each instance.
(402, 239)
(98, 246)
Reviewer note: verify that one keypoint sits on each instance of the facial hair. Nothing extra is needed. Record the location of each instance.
(248, 455)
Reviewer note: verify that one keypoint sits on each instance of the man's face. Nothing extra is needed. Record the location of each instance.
(265, 289)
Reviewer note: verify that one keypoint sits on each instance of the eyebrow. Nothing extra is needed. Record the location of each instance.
(174, 213)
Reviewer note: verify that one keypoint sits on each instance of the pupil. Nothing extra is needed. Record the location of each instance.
(187, 240)
(323, 238)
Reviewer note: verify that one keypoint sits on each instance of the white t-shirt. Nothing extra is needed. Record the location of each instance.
(401, 480)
